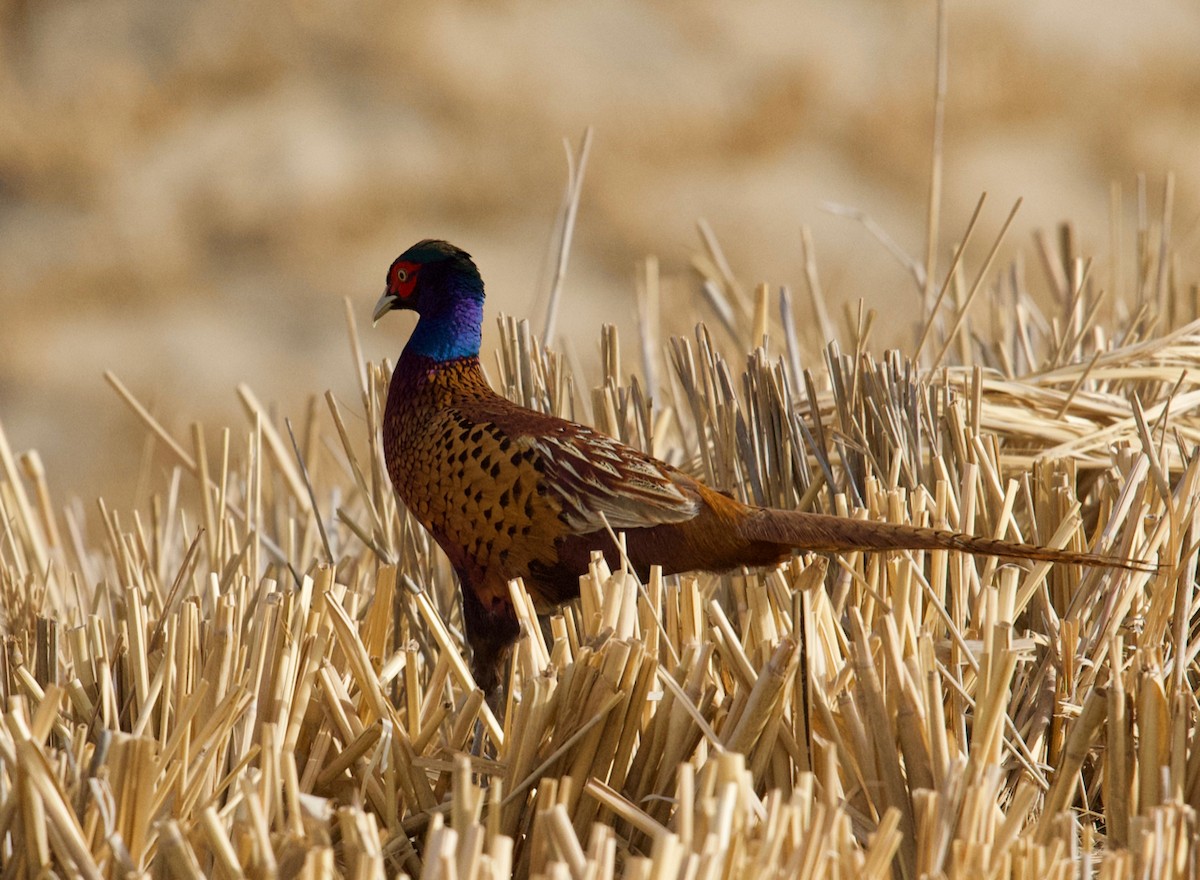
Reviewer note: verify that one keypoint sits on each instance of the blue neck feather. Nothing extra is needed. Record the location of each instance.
(452, 330)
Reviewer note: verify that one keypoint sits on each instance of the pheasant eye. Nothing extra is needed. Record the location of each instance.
(401, 276)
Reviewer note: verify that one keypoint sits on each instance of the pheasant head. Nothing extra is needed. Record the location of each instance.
(442, 285)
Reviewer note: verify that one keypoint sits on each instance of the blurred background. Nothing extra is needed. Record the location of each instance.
(189, 190)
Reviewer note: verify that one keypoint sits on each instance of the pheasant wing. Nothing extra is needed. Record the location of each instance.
(591, 477)
(596, 478)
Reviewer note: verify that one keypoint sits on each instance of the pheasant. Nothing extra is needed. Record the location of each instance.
(508, 492)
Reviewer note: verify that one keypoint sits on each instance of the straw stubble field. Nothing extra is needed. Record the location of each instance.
(259, 672)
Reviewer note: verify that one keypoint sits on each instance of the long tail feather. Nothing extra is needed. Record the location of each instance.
(820, 532)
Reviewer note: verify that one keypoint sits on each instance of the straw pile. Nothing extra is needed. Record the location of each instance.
(259, 673)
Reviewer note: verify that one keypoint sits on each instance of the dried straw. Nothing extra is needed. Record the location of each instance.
(262, 671)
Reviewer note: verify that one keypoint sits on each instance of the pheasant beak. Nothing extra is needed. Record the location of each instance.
(384, 306)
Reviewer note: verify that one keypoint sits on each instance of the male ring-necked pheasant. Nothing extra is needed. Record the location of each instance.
(508, 492)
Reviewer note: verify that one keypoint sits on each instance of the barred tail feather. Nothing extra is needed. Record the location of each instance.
(821, 532)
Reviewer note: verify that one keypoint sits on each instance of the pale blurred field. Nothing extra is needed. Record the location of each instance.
(188, 191)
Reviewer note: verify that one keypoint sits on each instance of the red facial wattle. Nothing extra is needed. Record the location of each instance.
(402, 279)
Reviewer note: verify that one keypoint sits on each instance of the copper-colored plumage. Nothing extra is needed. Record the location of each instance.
(508, 492)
